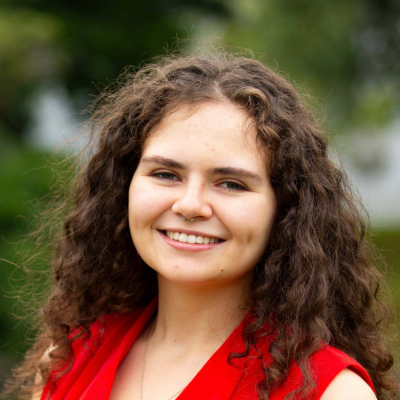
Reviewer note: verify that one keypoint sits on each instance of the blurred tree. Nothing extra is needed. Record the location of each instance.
(24, 180)
(28, 55)
(79, 42)
(379, 39)
(345, 51)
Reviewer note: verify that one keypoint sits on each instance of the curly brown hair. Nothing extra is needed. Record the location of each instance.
(317, 277)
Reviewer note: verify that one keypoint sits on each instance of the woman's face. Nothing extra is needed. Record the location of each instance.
(205, 164)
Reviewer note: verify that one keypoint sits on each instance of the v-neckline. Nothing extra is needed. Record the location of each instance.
(93, 376)
(216, 379)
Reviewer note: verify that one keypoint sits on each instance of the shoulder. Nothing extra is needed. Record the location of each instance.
(330, 361)
(347, 385)
(339, 376)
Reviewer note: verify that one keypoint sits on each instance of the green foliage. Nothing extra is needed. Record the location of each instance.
(29, 55)
(388, 242)
(329, 47)
(24, 180)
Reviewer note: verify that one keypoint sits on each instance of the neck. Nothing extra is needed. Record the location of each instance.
(199, 316)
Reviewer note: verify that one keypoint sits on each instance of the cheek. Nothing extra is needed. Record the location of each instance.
(252, 222)
(143, 203)
(142, 208)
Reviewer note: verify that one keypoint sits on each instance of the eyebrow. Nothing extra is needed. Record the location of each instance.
(232, 171)
(166, 162)
(237, 172)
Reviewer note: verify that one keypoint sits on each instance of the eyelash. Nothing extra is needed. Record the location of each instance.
(159, 175)
(239, 186)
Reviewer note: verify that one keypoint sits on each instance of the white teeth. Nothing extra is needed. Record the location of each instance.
(184, 238)
(191, 239)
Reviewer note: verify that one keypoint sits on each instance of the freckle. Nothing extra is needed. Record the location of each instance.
(222, 270)
(175, 340)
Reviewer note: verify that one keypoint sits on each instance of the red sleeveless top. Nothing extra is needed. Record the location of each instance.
(96, 361)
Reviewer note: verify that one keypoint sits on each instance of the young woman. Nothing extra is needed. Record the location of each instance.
(213, 252)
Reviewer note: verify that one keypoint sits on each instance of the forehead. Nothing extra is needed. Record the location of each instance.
(213, 127)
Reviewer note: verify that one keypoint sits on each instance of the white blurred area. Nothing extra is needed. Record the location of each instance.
(372, 159)
(54, 124)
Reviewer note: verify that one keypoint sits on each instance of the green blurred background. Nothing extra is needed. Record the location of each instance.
(56, 55)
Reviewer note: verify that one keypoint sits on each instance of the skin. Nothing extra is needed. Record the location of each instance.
(238, 210)
(347, 385)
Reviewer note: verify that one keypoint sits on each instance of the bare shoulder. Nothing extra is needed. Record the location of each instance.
(347, 385)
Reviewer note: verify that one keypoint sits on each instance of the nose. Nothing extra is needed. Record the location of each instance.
(192, 201)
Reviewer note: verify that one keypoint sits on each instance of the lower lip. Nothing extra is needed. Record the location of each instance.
(188, 246)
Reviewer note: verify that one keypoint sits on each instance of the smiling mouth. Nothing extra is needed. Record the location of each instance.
(192, 239)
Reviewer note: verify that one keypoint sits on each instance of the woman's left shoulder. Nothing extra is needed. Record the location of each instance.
(339, 376)
(348, 385)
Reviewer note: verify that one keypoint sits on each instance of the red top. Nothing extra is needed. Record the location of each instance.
(96, 361)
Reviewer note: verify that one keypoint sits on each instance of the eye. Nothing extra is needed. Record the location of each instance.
(166, 176)
(233, 186)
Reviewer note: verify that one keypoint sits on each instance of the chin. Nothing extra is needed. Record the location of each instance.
(188, 277)
(200, 278)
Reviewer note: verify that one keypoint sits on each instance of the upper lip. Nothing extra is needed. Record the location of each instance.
(189, 232)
